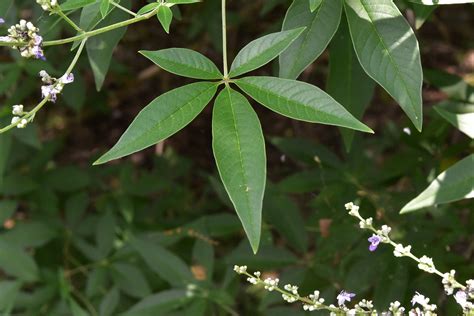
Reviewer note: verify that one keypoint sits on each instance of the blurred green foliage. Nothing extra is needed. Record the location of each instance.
(159, 236)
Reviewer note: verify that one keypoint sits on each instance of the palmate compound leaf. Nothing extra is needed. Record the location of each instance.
(184, 62)
(320, 28)
(163, 117)
(300, 101)
(454, 184)
(388, 51)
(262, 50)
(239, 150)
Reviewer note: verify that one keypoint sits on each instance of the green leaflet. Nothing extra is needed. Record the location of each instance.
(8, 293)
(165, 16)
(100, 48)
(437, 2)
(5, 147)
(314, 4)
(282, 213)
(347, 82)
(184, 62)
(17, 262)
(160, 260)
(460, 115)
(320, 28)
(110, 302)
(161, 303)
(160, 119)
(455, 183)
(130, 279)
(300, 101)
(104, 8)
(239, 150)
(262, 50)
(388, 51)
(183, 1)
(75, 4)
(147, 8)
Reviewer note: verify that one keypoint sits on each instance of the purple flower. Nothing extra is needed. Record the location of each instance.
(374, 242)
(2, 21)
(68, 78)
(461, 298)
(54, 86)
(343, 297)
(37, 50)
(49, 91)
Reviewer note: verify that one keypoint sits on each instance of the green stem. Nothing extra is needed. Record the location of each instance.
(123, 8)
(76, 57)
(101, 30)
(69, 21)
(224, 41)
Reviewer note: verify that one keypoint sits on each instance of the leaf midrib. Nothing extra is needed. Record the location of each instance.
(242, 169)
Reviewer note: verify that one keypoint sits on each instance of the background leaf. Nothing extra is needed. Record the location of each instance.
(100, 48)
(347, 82)
(388, 51)
(455, 183)
(320, 28)
(167, 265)
(239, 150)
(16, 262)
(460, 115)
(158, 304)
(109, 303)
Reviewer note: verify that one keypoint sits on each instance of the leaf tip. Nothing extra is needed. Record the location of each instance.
(255, 244)
(102, 159)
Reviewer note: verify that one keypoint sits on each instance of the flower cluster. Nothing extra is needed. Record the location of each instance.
(465, 297)
(316, 302)
(53, 86)
(26, 34)
(48, 5)
(18, 119)
(465, 294)
(426, 308)
(240, 269)
(293, 297)
(312, 302)
(270, 284)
